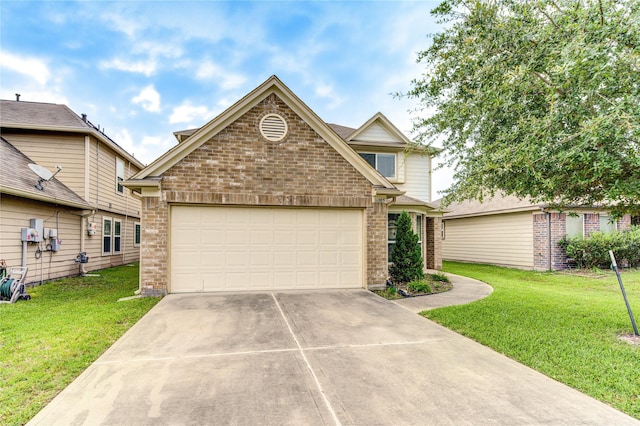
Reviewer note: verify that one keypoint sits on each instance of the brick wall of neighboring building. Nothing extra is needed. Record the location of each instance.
(238, 166)
(624, 223)
(591, 223)
(546, 252)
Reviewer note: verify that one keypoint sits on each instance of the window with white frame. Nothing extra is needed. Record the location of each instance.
(136, 234)
(443, 232)
(111, 236)
(607, 224)
(575, 226)
(107, 235)
(392, 228)
(384, 163)
(119, 175)
(419, 228)
(117, 236)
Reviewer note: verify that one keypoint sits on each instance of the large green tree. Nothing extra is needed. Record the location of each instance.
(536, 99)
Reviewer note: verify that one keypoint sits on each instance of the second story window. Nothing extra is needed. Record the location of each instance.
(384, 163)
(119, 175)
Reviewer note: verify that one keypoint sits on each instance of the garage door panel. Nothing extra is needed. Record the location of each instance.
(249, 248)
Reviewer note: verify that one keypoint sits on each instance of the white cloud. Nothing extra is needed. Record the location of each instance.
(148, 98)
(187, 113)
(143, 67)
(157, 141)
(34, 68)
(326, 91)
(207, 70)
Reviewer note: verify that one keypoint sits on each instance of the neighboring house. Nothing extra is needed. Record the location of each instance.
(512, 232)
(269, 196)
(84, 204)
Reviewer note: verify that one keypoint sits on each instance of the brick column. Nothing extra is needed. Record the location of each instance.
(377, 262)
(433, 243)
(153, 247)
(624, 223)
(591, 223)
(547, 255)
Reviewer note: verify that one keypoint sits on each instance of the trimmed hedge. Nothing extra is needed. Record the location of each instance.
(594, 251)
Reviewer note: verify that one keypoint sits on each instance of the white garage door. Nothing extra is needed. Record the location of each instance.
(253, 248)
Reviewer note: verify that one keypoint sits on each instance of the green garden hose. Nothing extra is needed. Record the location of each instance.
(5, 288)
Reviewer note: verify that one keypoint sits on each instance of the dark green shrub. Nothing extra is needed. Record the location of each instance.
(406, 256)
(593, 252)
(419, 286)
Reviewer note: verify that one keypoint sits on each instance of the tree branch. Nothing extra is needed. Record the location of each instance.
(548, 82)
(601, 12)
(548, 17)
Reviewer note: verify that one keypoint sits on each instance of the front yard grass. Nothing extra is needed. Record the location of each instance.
(48, 341)
(565, 326)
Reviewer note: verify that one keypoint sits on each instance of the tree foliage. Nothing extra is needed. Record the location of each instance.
(536, 99)
(406, 255)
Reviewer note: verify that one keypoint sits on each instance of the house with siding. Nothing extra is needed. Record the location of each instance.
(513, 232)
(269, 196)
(85, 204)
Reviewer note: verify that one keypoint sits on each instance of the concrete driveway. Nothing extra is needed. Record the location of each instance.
(339, 357)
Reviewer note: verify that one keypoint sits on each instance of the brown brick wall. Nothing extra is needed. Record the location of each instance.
(238, 166)
(543, 260)
(624, 223)
(433, 243)
(591, 223)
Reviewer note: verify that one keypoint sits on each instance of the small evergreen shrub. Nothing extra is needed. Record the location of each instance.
(406, 255)
(593, 252)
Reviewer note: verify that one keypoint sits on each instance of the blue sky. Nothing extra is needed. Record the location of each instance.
(142, 70)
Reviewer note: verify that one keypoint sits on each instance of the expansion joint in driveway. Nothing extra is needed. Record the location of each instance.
(306, 361)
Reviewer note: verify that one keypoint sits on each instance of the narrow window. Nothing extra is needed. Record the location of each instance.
(443, 232)
(106, 235)
(575, 226)
(419, 228)
(119, 175)
(392, 219)
(117, 225)
(136, 241)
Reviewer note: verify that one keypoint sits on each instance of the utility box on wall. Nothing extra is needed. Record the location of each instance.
(38, 225)
(92, 228)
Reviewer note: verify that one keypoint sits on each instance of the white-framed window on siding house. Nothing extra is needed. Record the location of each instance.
(107, 235)
(384, 163)
(607, 225)
(111, 236)
(119, 175)
(443, 230)
(575, 226)
(136, 234)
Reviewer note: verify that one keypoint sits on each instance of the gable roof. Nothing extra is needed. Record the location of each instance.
(379, 119)
(16, 178)
(494, 205)
(272, 85)
(54, 117)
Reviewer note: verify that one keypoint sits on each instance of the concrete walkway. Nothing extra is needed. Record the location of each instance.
(343, 357)
(465, 290)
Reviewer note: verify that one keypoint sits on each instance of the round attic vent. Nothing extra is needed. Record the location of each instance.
(273, 127)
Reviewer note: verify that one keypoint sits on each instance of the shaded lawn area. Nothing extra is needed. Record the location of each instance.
(565, 326)
(49, 340)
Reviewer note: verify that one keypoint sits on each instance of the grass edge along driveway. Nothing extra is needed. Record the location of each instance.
(565, 326)
(46, 342)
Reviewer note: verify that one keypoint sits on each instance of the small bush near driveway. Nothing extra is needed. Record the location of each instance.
(565, 326)
(48, 341)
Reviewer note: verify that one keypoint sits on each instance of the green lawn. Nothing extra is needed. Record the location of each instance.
(564, 326)
(49, 340)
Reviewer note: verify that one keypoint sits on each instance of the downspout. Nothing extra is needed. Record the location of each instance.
(549, 237)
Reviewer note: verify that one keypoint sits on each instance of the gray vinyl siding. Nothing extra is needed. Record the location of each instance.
(502, 239)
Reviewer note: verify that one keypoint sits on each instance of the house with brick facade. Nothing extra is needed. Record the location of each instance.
(268, 196)
(83, 208)
(512, 232)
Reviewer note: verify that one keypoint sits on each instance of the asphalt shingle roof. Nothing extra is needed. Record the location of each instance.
(39, 114)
